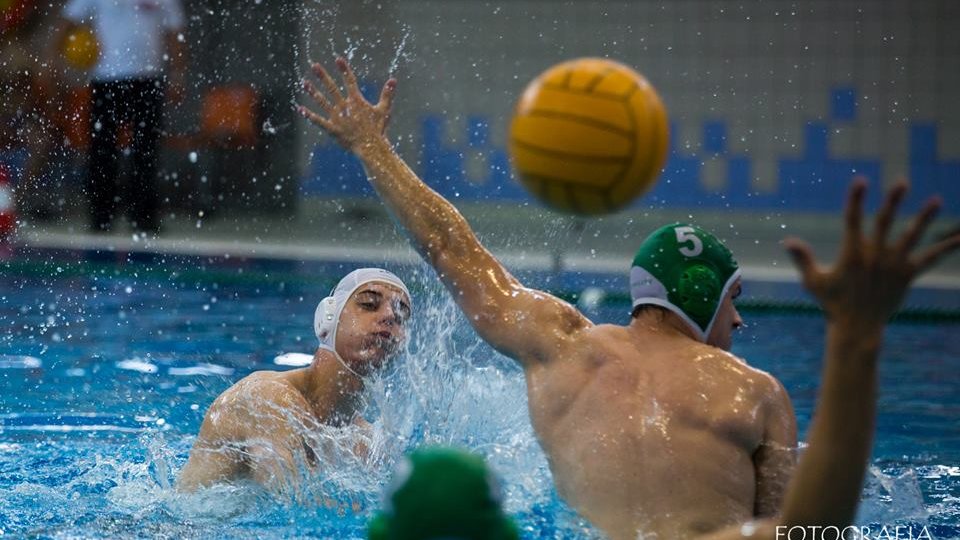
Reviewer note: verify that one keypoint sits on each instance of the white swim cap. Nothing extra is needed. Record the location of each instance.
(327, 317)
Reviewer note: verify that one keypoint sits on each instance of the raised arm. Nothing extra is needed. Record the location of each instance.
(527, 325)
(858, 295)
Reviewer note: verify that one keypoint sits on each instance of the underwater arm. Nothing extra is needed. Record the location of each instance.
(277, 459)
(214, 457)
(253, 431)
(361, 448)
(522, 323)
(273, 434)
(209, 463)
(858, 295)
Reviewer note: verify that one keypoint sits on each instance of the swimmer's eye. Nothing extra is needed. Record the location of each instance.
(372, 301)
(368, 302)
(402, 310)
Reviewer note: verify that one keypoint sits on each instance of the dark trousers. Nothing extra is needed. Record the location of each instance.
(140, 103)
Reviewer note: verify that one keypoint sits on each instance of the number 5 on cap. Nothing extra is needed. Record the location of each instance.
(687, 234)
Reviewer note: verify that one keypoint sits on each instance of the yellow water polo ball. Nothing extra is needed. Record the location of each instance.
(588, 136)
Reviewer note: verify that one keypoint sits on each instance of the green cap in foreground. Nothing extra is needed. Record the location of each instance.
(443, 493)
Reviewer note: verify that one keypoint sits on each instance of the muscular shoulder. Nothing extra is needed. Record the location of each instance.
(772, 395)
(263, 385)
(770, 387)
(244, 405)
(765, 388)
(262, 392)
(596, 343)
(609, 331)
(772, 418)
(600, 335)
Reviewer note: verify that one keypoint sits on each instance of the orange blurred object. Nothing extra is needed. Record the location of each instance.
(81, 48)
(229, 116)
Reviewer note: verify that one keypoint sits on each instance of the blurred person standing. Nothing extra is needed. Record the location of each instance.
(142, 59)
(26, 132)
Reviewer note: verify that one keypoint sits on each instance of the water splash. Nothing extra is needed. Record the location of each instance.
(892, 496)
(447, 388)
(401, 52)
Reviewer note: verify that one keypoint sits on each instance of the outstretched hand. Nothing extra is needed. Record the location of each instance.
(872, 274)
(352, 120)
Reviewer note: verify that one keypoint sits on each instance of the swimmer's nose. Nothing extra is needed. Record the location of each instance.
(392, 315)
(738, 321)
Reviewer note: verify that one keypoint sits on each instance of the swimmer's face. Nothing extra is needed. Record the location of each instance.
(372, 326)
(728, 319)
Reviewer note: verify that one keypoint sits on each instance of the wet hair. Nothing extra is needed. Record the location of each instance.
(648, 308)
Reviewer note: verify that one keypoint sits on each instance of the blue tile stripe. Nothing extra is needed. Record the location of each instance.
(811, 179)
(843, 106)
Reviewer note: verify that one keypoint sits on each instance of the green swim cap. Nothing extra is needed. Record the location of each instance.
(685, 269)
(443, 493)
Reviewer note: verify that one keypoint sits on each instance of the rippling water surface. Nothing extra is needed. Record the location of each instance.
(105, 377)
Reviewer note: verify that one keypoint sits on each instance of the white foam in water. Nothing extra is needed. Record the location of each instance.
(442, 391)
(201, 369)
(447, 388)
(891, 497)
(135, 364)
(9, 361)
(445, 392)
(293, 359)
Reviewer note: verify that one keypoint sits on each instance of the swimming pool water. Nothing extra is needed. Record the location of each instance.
(105, 376)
